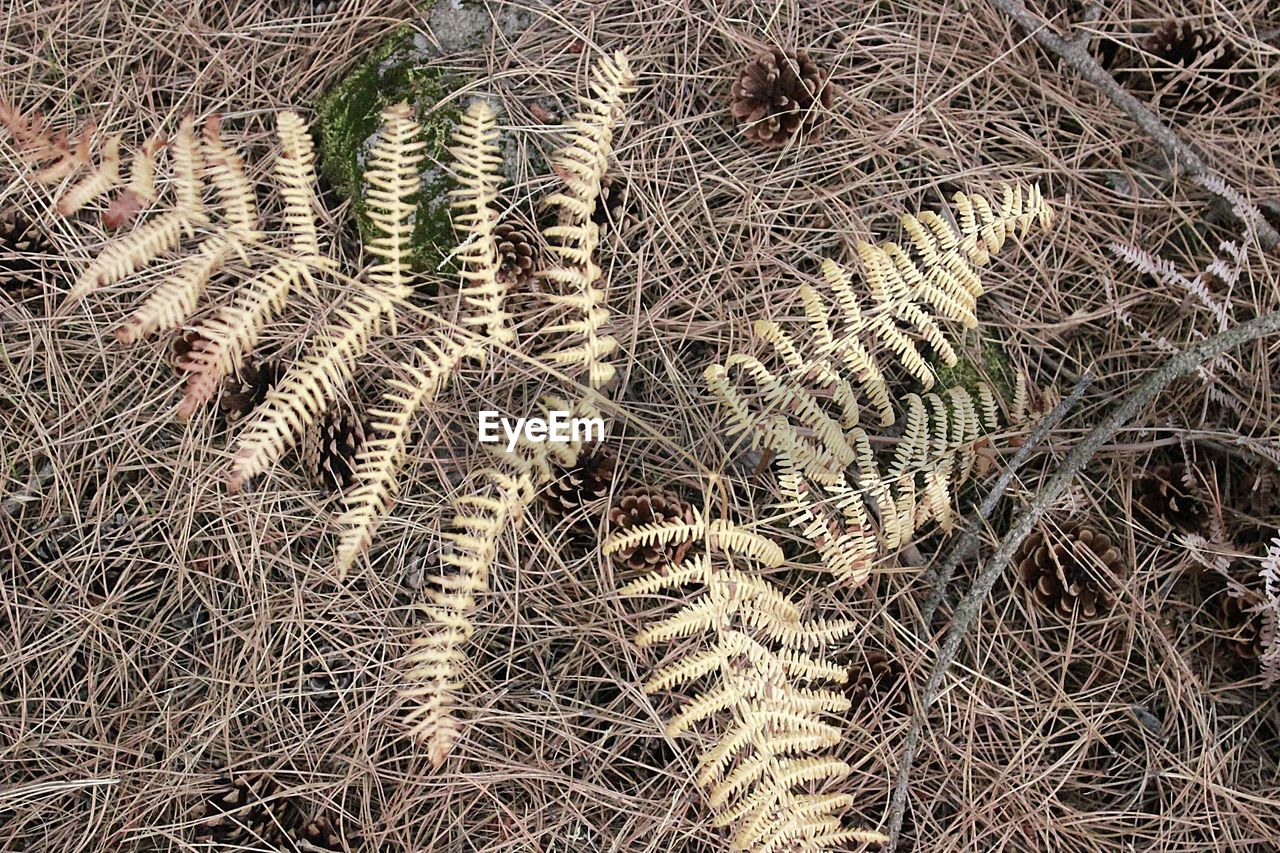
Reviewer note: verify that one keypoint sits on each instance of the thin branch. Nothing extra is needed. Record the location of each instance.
(1182, 155)
(968, 539)
(966, 612)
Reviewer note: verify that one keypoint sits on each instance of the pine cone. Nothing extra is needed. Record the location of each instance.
(20, 239)
(1160, 68)
(325, 677)
(236, 813)
(319, 833)
(1163, 494)
(1241, 625)
(878, 677)
(582, 484)
(330, 446)
(517, 254)
(1063, 571)
(612, 210)
(780, 94)
(245, 391)
(644, 505)
(182, 345)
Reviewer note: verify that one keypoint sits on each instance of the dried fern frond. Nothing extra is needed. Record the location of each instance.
(475, 216)
(128, 254)
(313, 383)
(101, 181)
(438, 659)
(574, 238)
(392, 178)
(804, 403)
(141, 189)
(769, 725)
(234, 329)
(374, 482)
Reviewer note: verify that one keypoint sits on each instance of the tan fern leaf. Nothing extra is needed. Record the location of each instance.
(225, 170)
(141, 189)
(574, 238)
(313, 383)
(374, 484)
(768, 728)
(438, 659)
(393, 180)
(233, 331)
(476, 214)
(308, 388)
(128, 254)
(97, 183)
(176, 298)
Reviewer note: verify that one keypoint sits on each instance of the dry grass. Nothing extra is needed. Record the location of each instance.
(169, 635)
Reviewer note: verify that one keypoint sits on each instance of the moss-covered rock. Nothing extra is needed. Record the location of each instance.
(349, 118)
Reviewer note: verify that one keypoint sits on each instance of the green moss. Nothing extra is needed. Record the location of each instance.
(992, 366)
(349, 117)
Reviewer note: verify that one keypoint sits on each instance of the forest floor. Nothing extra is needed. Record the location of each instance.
(159, 636)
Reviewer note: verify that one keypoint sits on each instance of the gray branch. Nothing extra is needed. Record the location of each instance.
(1182, 155)
(966, 612)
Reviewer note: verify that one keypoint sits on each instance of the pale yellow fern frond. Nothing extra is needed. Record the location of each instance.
(392, 180)
(768, 729)
(475, 206)
(233, 330)
(438, 659)
(573, 240)
(126, 255)
(99, 182)
(374, 484)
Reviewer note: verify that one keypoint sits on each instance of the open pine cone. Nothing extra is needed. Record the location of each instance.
(612, 211)
(779, 95)
(236, 812)
(582, 484)
(330, 447)
(19, 240)
(645, 505)
(1241, 625)
(1183, 66)
(878, 676)
(517, 254)
(245, 391)
(1163, 494)
(185, 342)
(1065, 571)
(319, 833)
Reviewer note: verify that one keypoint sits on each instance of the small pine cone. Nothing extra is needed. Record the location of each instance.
(878, 677)
(182, 345)
(1164, 495)
(245, 391)
(1161, 69)
(319, 833)
(20, 239)
(612, 210)
(237, 812)
(330, 446)
(517, 254)
(779, 95)
(1061, 569)
(1241, 625)
(645, 505)
(583, 484)
(325, 677)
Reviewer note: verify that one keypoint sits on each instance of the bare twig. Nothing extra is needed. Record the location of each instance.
(1182, 155)
(966, 612)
